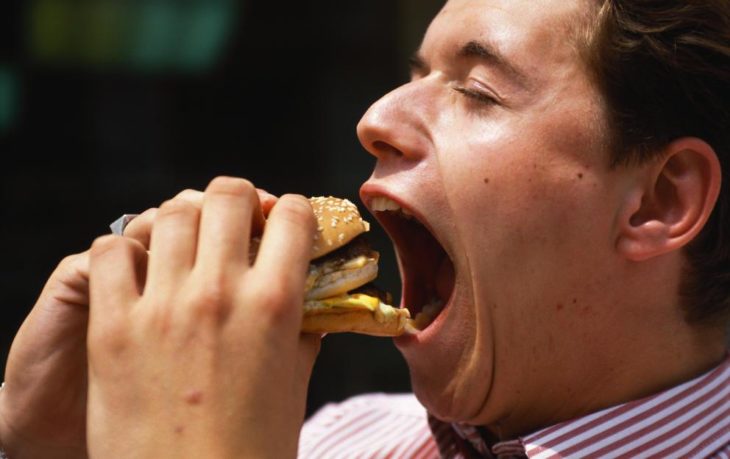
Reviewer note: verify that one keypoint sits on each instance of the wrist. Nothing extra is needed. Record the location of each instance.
(14, 446)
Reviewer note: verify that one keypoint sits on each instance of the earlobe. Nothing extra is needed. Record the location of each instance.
(671, 201)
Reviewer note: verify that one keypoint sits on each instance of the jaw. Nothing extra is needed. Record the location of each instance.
(450, 363)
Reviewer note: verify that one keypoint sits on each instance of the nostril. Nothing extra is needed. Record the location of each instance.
(386, 148)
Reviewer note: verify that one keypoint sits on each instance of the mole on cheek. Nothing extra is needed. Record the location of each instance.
(486, 180)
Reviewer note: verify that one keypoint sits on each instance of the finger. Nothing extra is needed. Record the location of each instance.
(309, 345)
(267, 201)
(194, 197)
(173, 244)
(140, 227)
(69, 283)
(115, 265)
(286, 245)
(225, 225)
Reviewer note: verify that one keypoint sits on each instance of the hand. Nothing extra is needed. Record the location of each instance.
(194, 352)
(43, 405)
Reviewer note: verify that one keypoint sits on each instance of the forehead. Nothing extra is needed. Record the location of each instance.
(527, 32)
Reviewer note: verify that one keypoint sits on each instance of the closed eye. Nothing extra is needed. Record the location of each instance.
(479, 96)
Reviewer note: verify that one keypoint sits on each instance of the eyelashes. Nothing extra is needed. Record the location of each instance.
(475, 95)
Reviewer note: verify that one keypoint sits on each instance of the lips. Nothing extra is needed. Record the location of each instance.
(426, 269)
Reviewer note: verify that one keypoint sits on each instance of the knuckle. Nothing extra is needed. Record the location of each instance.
(116, 246)
(107, 243)
(72, 268)
(141, 223)
(189, 194)
(70, 262)
(274, 300)
(175, 208)
(297, 209)
(159, 320)
(212, 301)
(109, 338)
(232, 186)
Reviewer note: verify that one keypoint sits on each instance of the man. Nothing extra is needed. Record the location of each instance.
(563, 159)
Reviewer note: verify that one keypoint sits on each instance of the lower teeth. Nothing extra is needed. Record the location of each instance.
(428, 313)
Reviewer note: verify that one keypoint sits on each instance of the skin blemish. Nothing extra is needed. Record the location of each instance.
(486, 180)
(580, 175)
(179, 429)
(193, 397)
(559, 306)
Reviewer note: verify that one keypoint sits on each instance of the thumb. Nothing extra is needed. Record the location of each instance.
(309, 345)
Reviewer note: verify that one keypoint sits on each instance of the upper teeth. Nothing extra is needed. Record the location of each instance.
(380, 204)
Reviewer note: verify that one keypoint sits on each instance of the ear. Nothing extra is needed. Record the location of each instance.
(671, 201)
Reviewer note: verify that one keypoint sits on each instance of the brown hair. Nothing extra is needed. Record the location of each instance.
(663, 67)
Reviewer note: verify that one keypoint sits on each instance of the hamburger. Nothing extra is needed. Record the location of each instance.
(339, 296)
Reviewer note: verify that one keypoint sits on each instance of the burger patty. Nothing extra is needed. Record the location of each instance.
(342, 270)
(339, 259)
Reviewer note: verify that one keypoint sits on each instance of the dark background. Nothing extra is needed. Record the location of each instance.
(98, 119)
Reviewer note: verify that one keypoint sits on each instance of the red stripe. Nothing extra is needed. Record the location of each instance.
(428, 451)
(724, 453)
(338, 436)
(420, 440)
(688, 428)
(724, 431)
(388, 444)
(377, 442)
(646, 431)
(628, 407)
(599, 421)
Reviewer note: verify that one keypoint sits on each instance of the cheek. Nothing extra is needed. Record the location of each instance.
(521, 207)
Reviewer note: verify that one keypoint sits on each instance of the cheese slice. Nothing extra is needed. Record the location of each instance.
(356, 301)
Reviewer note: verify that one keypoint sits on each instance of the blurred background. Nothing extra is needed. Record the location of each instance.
(111, 107)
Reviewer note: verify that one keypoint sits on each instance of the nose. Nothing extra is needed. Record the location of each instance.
(397, 124)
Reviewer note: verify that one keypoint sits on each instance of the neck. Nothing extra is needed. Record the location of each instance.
(612, 369)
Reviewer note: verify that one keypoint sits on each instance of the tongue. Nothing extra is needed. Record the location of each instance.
(445, 280)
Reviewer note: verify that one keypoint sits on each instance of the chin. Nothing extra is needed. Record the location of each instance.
(451, 368)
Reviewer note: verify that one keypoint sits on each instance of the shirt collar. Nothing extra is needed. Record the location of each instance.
(691, 419)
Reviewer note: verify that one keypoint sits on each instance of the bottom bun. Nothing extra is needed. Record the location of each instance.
(384, 320)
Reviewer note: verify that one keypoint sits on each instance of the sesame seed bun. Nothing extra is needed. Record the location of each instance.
(338, 222)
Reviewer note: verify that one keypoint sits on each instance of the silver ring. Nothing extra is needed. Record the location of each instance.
(120, 223)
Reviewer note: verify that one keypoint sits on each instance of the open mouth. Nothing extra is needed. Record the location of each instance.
(426, 269)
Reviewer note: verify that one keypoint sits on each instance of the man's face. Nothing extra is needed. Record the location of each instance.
(496, 145)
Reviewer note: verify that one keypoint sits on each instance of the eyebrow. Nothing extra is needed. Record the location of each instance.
(479, 50)
(490, 54)
(417, 63)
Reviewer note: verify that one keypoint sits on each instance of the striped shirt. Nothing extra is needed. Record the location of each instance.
(691, 420)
